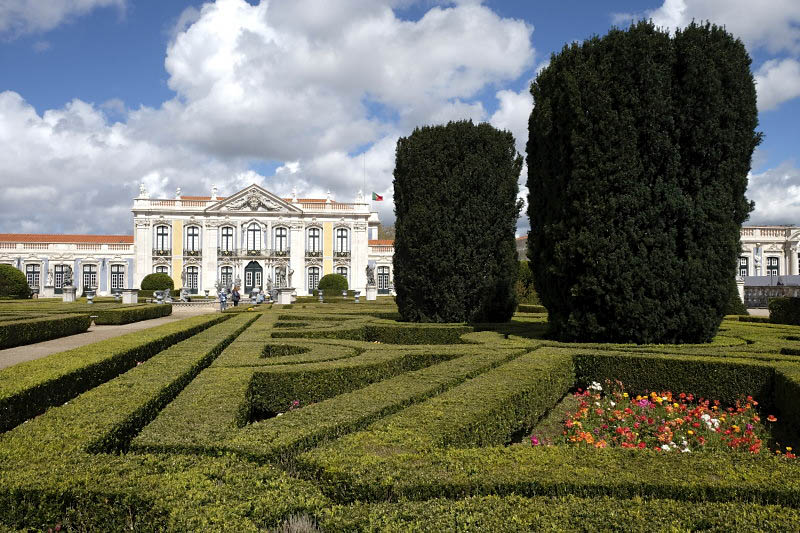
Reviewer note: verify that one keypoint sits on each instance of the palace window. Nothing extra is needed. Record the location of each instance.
(342, 271)
(117, 277)
(281, 239)
(33, 273)
(383, 277)
(161, 269)
(254, 236)
(192, 239)
(313, 278)
(226, 275)
(772, 266)
(162, 238)
(314, 241)
(226, 241)
(59, 271)
(192, 275)
(342, 240)
(89, 276)
(743, 270)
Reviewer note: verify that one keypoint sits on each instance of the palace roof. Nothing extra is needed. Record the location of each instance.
(61, 238)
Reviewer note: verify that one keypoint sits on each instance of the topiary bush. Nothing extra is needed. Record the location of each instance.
(13, 283)
(639, 149)
(455, 193)
(333, 282)
(157, 282)
(784, 311)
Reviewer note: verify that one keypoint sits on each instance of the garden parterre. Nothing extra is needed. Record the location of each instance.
(338, 412)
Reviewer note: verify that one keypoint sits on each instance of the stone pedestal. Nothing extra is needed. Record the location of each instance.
(285, 295)
(372, 293)
(130, 296)
(68, 294)
(740, 287)
(48, 291)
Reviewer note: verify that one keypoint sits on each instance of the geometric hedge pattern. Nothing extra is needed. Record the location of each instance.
(235, 422)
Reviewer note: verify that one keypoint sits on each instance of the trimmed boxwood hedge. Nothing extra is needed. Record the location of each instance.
(126, 315)
(30, 330)
(785, 311)
(28, 389)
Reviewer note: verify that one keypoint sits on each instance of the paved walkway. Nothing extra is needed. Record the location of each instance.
(12, 356)
(753, 312)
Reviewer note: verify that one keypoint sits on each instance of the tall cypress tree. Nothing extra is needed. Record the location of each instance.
(455, 194)
(638, 153)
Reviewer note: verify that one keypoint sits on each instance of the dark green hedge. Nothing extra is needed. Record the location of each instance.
(335, 283)
(785, 311)
(530, 308)
(28, 331)
(157, 282)
(126, 315)
(390, 334)
(28, 389)
(13, 283)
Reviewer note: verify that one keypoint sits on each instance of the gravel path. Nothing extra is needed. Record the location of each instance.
(12, 356)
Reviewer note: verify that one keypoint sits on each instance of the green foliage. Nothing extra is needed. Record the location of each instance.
(333, 282)
(13, 283)
(157, 282)
(638, 155)
(530, 308)
(30, 330)
(785, 311)
(455, 192)
(28, 389)
(526, 292)
(136, 313)
(735, 305)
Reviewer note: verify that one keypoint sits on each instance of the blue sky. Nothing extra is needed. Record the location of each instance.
(97, 97)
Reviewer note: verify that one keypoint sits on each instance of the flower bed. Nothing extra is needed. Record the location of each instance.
(662, 421)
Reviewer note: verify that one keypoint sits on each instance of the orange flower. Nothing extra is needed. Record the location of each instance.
(771, 418)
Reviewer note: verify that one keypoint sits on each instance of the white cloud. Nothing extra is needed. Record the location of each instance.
(776, 193)
(300, 82)
(771, 24)
(20, 17)
(777, 81)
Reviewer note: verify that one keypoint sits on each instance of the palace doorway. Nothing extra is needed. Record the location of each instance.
(253, 276)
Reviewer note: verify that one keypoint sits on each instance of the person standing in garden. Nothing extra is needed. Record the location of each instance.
(235, 296)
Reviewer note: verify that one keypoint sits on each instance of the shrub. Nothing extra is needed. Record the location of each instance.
(13, 283)
(30, 330)
(333, 282)
(526, 293)
(785, 311)
(126, 315)
(735, 305)
(157, 282)
(637, 189)
(455, 192)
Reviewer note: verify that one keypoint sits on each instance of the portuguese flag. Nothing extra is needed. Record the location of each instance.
(377, 197)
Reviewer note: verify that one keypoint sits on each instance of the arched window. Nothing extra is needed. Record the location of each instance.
(342, 271)
(314, 244)
(192, 275)
(313, 278)
(226, 275)
(117, 277)
(281, 239)
(342, 240)
(192, 239)
(254, 236)
(226, 240)
(161, 269)
(89, 276)
(33, 273)
(162, 238)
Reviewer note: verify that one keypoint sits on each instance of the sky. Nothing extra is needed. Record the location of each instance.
(100, 96)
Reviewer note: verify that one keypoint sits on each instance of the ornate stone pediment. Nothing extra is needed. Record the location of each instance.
(253, 199)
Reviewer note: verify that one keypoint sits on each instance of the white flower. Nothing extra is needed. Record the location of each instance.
(665, 447)
(279, 414)
(706, 417)
(597, 404)
(686, 450)
(595, 386)
(613, 404)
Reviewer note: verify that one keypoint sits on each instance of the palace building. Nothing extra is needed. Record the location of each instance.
(252, 237)
(258, 239)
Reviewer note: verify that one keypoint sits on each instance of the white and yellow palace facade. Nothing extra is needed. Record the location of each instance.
(253, 238)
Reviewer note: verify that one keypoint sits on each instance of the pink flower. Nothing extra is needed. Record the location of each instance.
(534, 441)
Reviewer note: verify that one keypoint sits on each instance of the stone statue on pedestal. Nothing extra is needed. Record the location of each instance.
(370, 275)
(67, 277)
(289, 278)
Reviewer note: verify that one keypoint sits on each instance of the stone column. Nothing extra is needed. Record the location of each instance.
(793, 263)
(359, 254)
(143, 248)
(297, 259)
(210, 245)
